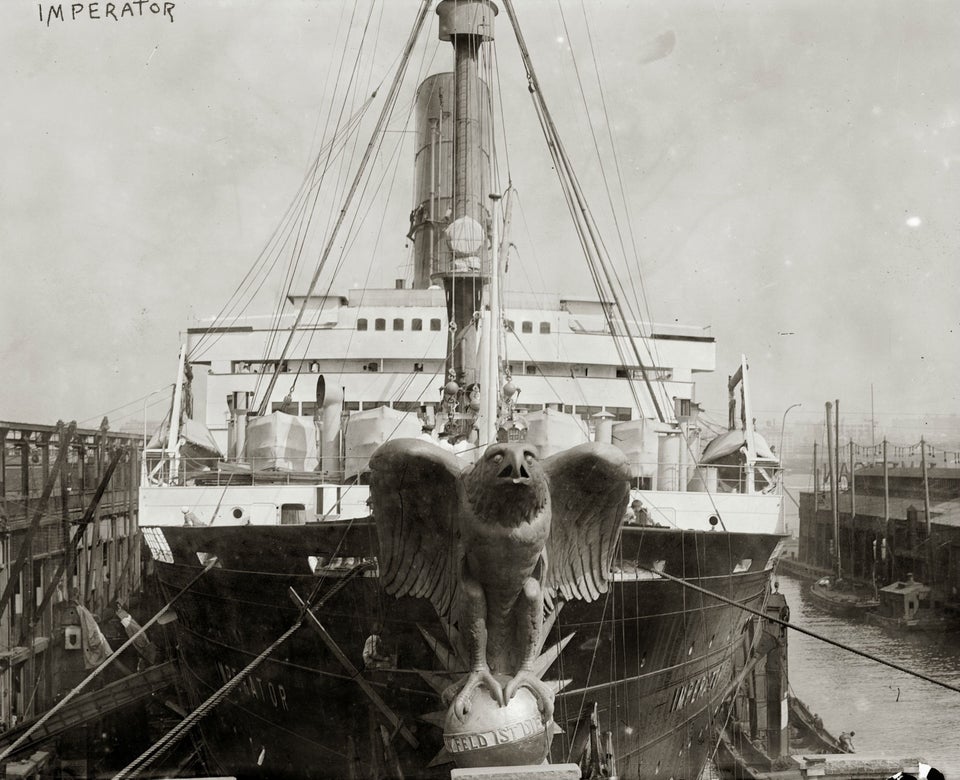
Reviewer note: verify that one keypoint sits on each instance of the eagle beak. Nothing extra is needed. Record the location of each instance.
(514, 468)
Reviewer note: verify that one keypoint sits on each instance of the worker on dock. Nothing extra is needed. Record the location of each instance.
(374, 656)
(846, 740)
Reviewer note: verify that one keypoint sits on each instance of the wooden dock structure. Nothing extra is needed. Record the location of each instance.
(68, 529)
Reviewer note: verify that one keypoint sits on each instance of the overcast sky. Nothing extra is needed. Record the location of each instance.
(792, 168)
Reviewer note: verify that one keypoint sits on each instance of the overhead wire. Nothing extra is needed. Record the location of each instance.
(303, 228)
(388, 106)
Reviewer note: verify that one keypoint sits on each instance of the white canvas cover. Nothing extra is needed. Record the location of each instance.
(370, 428)
(281, 442)
(551, 431)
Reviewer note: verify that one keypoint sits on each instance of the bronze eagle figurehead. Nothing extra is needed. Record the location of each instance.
(486, 542)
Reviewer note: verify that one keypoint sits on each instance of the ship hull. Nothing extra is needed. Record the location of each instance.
(653, 656)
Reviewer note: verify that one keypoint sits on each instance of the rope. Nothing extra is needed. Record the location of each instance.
(354, 186)
(173, 736)
(86, 681)
(814, 634)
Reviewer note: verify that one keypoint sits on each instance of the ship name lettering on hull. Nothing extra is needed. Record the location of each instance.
(692, 690)
(254, 686)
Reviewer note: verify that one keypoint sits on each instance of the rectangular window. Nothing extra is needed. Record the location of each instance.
(293, 514)
(379, 324)
(416, 324)
(308, 408)
(531, 369)
(544, 327)
(398, 324)
(362, 323)
(526, 326)
(435, 324)
(351, 406)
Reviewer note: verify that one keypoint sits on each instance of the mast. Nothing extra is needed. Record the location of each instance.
(816, 478)
(173, 437)
(834, 499)
(926, 508)
(491, 376)
(886, 493)
(467, 24)
(853, 486)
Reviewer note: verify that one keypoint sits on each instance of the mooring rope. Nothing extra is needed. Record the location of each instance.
(173, 736)
(107, 661)
(814, 634)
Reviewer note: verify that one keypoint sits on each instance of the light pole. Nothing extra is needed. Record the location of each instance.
(783, 423)
(783, 508)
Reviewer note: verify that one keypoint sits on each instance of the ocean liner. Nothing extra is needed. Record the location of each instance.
(315, 633)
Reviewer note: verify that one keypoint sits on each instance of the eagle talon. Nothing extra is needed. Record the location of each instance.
(467, 687)
(527, 679)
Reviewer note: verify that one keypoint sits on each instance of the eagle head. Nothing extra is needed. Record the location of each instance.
(507, 485)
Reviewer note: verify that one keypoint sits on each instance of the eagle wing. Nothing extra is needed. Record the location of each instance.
(415, 491)
(589, 490)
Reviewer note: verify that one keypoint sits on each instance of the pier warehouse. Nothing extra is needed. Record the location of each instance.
(889, 543)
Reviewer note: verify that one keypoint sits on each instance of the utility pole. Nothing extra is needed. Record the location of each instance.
(834, 498)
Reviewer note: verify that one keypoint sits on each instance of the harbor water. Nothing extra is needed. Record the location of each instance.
(892, 713)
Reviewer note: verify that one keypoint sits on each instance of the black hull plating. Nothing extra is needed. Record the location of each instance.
(654, 656)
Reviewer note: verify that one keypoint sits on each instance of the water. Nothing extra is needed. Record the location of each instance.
(891, 712)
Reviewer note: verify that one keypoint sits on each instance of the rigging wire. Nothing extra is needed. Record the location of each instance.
(106, 662)
(129, 403)
(381, 122)
(229, 312)
(642, 296)
(303, 228)
(165, 743)
(596, 252)
(801, 630)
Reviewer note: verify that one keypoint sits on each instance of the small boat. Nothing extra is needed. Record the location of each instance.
(842, 598)
(807, 732)
(911, 606)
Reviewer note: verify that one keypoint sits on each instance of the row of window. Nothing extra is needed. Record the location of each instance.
(416, 324)
(398, 324)
(527, 327)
